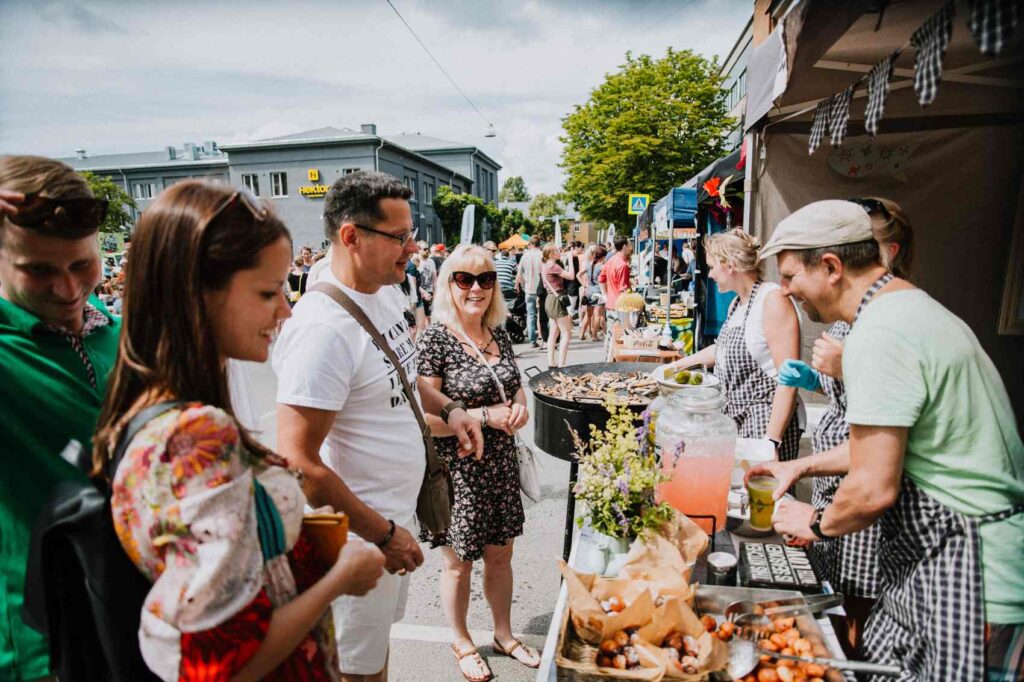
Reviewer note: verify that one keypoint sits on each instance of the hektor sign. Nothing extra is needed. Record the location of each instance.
(314, 191)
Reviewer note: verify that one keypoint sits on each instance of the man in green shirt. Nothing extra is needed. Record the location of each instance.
(57, 346)
(934, 455)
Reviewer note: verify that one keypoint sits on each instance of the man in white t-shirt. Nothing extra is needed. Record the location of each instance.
(342, 415)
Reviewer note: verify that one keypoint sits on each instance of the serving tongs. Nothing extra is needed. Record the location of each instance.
(758, 614)
(745, 654)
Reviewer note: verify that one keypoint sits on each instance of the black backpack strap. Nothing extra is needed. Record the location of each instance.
(133, 427)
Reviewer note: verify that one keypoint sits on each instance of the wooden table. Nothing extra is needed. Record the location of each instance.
(623, 354)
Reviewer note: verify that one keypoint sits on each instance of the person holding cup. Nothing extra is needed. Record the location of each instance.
(935, 456)
(849, 563)
(194, 487)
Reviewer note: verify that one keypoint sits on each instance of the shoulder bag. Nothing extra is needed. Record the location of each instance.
(529, 467)
(562, 298)
(434, 504)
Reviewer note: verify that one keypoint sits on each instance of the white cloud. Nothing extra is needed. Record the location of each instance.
(113, 77)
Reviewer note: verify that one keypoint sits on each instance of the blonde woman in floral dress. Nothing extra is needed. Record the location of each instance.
(464, 354)
(206, 513)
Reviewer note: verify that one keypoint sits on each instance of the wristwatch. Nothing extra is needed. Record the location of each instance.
(447, 409)
(816, 524)
(387, 538)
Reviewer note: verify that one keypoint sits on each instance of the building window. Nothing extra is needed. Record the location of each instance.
(252, 183)
(278, 184)
(349, 171)
(411, 184)
(143, 190)
(428, 191)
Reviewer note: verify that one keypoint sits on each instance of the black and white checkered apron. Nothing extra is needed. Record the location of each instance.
(930, 615)
(850, 562)
(749, 390)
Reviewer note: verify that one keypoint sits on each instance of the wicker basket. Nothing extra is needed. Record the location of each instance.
(577, 661)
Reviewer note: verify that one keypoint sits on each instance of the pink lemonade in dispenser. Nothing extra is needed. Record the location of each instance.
(699, 483)
(697, 446)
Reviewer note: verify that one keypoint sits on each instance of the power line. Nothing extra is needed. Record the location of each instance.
(659, 22)
(445, 72)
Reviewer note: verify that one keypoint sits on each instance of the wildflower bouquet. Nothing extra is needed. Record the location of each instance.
(617, 477)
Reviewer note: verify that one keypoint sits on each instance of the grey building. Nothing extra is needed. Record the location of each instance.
(294, 172)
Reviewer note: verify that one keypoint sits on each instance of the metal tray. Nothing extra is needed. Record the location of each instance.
(713, 599)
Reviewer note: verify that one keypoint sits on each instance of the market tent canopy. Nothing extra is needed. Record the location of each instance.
(516, 241)
(819, 49)
(726, 168)
(680, 204)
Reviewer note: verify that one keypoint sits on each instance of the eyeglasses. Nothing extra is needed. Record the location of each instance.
(49, 213)
(402, 239)
(465, 280)
(872, 206)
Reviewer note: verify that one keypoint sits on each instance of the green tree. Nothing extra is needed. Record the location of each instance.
(647, 128)
(514, 189)
(449, 207)
(119, 218)
(543, 209)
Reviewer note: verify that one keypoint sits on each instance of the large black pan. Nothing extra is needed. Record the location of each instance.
(556, 418)
(538, 381)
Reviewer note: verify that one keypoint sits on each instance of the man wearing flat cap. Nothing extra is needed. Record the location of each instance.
(934, 456)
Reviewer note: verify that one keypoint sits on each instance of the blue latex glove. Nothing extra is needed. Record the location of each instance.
(799, 374)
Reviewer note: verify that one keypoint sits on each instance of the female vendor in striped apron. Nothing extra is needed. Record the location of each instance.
(935, 456)
(761, 331)
(849, 563)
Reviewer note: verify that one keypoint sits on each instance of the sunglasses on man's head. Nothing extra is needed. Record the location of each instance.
(465, 280)
(81, 214)
(872, 206)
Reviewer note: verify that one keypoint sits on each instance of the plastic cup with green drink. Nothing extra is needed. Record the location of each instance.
(761, 490)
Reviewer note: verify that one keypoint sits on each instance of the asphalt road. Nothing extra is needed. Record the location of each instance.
(420, 644)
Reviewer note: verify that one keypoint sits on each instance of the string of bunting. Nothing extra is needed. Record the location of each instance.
(991, 22)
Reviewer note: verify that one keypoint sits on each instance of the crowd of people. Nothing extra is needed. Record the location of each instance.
(395, 355)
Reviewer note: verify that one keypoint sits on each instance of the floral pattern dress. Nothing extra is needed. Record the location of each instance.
(184, 510)
(488, 509)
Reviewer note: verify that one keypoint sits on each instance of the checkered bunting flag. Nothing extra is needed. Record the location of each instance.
(839, 114)
(992, 22)
(819, 125)
(878, 91)
(931, 41)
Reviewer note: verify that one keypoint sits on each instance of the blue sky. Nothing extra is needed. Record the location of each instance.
(133, 76)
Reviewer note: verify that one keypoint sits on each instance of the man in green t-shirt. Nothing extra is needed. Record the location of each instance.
(57, 346)
(934, 455)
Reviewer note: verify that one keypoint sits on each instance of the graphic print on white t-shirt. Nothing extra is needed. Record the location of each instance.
(325, 360)
(400, 340)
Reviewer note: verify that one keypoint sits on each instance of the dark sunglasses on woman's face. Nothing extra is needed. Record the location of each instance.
(47, 213)
(872, 206)
(465, 280)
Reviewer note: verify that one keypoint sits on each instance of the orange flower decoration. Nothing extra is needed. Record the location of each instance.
(711, 186)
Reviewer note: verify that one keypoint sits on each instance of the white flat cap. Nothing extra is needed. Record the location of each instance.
(820, 224)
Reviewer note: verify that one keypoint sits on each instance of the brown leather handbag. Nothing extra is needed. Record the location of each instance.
(434, 504)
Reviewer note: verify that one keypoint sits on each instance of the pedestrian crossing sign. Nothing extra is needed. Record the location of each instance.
(638, 203)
